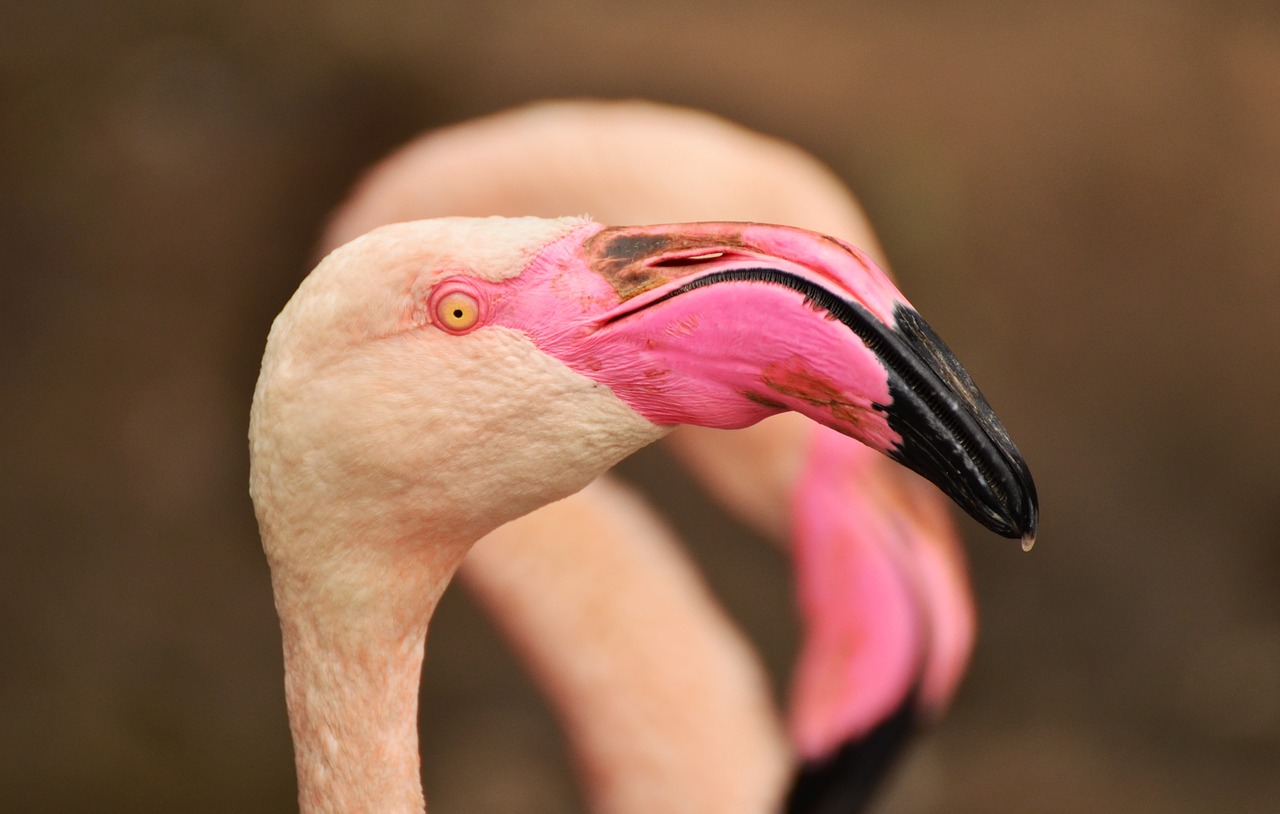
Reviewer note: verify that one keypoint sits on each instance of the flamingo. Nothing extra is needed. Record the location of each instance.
(878, 660)
(412, 355)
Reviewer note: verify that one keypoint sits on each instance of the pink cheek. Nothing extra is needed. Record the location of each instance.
(554, 307)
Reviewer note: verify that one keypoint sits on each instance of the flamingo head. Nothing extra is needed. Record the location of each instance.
(473, 369)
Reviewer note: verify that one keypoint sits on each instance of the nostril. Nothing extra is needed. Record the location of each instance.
(688, 260)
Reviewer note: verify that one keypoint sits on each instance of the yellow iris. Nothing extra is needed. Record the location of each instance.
(458, 311)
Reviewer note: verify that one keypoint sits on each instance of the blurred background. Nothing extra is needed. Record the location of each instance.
(1083, 198)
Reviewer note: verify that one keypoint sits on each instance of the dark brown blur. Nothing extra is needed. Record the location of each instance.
(1082, 198)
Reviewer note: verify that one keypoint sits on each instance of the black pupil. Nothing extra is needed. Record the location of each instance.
(457, 313)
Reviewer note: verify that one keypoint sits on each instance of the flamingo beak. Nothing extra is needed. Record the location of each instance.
(854, 354)
(723, 324)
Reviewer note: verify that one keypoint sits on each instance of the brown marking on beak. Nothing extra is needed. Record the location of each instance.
(792, 379)
(636, 259)
(763, 400)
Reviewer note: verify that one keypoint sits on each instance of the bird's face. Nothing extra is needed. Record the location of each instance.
(488, 366)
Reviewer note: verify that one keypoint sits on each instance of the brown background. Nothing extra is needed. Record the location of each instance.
(1083, 198)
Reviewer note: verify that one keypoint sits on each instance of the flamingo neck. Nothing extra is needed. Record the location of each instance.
(353, 665)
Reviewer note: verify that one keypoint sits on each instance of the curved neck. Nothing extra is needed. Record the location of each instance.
(353, 664)
(665, 705)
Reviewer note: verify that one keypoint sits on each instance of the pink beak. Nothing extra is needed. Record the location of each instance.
(724, 324)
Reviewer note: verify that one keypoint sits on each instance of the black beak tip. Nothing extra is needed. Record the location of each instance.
(1028, 518)
(1019, 516)
(950, 433)
(999, 494)
(1012, 512)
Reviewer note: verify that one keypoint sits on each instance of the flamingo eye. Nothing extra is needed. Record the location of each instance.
(458, 311)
